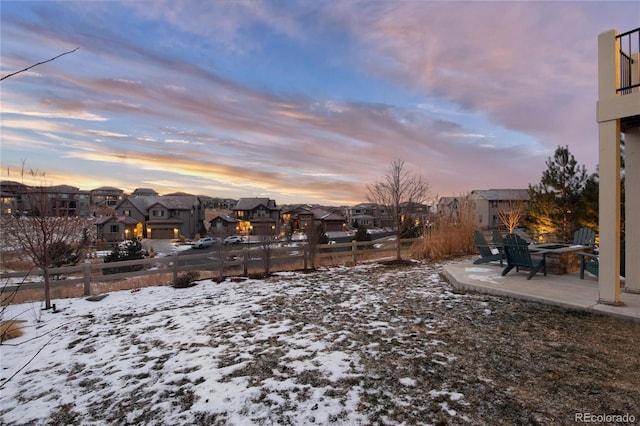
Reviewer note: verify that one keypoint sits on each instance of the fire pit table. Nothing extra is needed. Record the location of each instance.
(560, 258)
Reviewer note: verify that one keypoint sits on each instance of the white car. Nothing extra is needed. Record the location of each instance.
(203, 243)
(233, 239)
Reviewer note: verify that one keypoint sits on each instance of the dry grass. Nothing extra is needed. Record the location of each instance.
(13, 261)
(452, 237)
(10, 330)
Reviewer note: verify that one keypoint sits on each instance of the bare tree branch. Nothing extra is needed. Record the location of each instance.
(511, 213)
(7, 380)
(39, 63)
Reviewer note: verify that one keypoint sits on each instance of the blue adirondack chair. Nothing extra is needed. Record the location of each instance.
(488, 252)
(584, 237)
(516, 251)
(589, 262)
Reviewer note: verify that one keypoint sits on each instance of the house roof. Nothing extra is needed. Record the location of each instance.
(63, 188)
(364, 206)
(502, 194)
(225, 218)
(322, 214)
(144, 192)
(176, 202)
(107, 189)
(178, 194)
(245, 204)
(363, 216)
(106, 219)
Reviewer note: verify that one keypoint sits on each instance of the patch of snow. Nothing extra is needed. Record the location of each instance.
(407, 381)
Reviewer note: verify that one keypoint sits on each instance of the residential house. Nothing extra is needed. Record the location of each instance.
(257, 216)
(9, 203)
(488, 204)
(418, 212)
(154, 217)
(12, 197)
(218, 203)
(56, 201)
(107, 196)
(448, 208)
(144, 192)
(117, 228)
(369, 215)
(59, 200)
(303, 217)
(223, 226)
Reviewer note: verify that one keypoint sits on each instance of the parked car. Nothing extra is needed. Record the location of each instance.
(298, 236)
(233, 239)
(203, 243)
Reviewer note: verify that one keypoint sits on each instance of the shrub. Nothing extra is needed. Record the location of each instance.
(450, 237)
(186, 280)
(10, 330)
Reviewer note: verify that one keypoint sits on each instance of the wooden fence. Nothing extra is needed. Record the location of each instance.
(89, 278)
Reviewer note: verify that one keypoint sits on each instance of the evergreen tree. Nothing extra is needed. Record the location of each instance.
(557, 206)
(362, 234)
(589, 216)
(132, 250)
(63, 254)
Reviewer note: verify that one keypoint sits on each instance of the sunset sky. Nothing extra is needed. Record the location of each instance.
(299, 101)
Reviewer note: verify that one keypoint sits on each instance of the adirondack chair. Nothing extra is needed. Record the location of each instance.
(498, 240)
(488, 252)
(589, 262)
(584, 237)
(518, 256)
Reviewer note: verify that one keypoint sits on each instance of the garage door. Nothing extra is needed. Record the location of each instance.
(162, 233)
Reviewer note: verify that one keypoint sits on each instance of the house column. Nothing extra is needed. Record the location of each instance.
(632, 209)
(609, 156)
(609, 210)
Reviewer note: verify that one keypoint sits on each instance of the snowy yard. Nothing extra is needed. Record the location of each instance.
(366, 345)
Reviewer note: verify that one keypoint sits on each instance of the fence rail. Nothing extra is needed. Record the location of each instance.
(88, 278)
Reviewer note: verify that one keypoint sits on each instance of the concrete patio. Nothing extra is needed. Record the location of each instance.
(568, 290)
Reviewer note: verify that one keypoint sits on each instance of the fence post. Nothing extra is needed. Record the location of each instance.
(305, 254)
(354, 249)
(86, 276)
(175, 267)
(245, 262)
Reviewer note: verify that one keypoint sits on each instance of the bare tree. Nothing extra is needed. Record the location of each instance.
(399, 187)
(315, 236)
(39, 63)
(511, 213)
(43, 238)
(266, 247)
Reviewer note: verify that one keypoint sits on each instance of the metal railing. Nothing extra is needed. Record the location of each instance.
(629, 43)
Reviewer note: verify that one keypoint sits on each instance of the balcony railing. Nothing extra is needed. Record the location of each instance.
(629, 43)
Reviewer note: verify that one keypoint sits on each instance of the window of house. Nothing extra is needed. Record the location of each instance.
(157, 213)
(126, 213)
(479, 218)
(114, 228)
